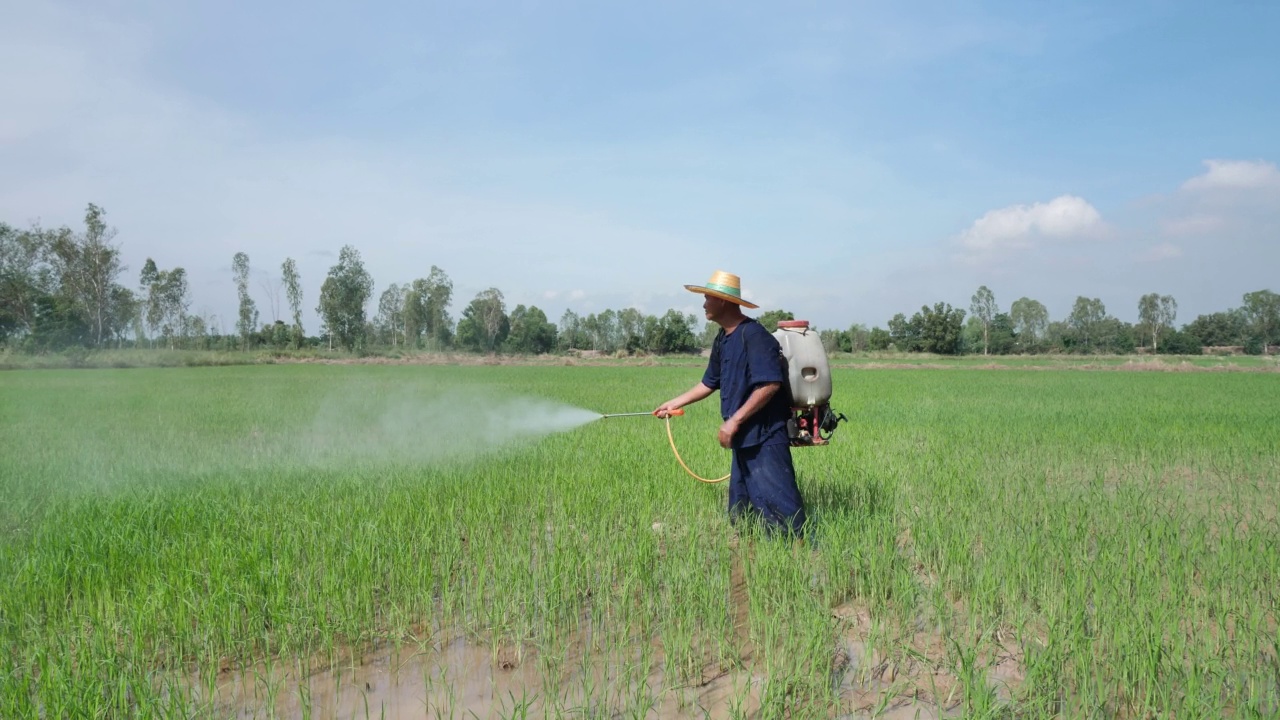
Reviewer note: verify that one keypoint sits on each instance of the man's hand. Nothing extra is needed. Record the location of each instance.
(693, 395)
(727, 431)
(665, 409)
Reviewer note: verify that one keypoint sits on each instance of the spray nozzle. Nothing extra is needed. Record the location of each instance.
(636, 414)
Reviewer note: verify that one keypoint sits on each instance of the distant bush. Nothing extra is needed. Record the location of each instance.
(1181, 343)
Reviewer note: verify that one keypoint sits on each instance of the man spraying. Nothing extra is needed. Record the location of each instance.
(746, 366)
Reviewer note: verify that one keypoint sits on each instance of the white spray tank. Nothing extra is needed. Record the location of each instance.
(809, 377)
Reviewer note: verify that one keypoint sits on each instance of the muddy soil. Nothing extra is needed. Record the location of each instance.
(458, 677)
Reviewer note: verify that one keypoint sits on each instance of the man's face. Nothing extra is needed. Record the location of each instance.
(713, 307)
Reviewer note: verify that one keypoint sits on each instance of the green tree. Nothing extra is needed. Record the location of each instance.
(1058, 337)
(86, 266)
(1262, 317)
(571, 336)
(602, 331)
(530, 333)
(771, 319)
(1114, 335)
(436, 293)
(673, 333)
(248, 316)
(878, 339)
(175, 302)
(1001, 338)
(293, 291)
(859, 338)
(1156, 314)
(413, 306)
(1085, 320)
(24, 279)
(834, 341)
(940, 328)
(122, 310)
(198, 331)
(153, 310)
(706, 338)
(997, 337)
(484, 324)
(390, 317)
(904, 334)
(983, 307)
(165, 302)
(343, 296)
(277, 334)
(1220, 329)
(59, 323)
(425, 307)
(1181, 343)
(1030, 322)
(631, 329)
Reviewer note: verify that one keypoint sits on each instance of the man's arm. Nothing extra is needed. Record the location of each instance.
(690, 396)
(756, 400)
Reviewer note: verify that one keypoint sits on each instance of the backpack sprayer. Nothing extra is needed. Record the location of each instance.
(807, 384)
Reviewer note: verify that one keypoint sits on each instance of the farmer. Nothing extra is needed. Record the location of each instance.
(746, 366)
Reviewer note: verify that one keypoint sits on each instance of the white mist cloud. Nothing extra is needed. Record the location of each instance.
(366, 423)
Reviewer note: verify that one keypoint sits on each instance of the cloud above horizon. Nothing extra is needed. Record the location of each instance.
(1235, 175)
(1016, 227)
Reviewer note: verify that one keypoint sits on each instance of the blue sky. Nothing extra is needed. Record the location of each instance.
(848, 160)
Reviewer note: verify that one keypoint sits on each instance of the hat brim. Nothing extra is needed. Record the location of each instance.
(722, 296)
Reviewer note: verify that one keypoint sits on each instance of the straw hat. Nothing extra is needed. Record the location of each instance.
(724, 286)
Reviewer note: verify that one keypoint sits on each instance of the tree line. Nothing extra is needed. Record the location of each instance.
(1026, 328)
(61, 288)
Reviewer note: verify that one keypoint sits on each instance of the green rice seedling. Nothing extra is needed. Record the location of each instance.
(1116, 532)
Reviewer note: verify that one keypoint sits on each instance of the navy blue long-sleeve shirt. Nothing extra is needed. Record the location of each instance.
(742, 361)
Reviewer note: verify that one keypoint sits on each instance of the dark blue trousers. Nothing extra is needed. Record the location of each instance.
(762, 482)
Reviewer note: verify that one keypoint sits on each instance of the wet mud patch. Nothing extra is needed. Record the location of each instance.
(460, 677)
(584, 674)
(916, 673)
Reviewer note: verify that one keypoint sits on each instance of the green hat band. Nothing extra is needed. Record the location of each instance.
(725, 289)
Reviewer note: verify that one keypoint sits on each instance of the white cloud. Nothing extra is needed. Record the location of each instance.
(1231, 199)
(1157, 253)
(1019, 226)
(577, 294)
(1235, 175)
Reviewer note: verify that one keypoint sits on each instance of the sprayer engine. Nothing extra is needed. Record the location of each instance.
(812, 425)
(812, 420)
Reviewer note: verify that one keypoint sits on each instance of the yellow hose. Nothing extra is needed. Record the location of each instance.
(696, 476)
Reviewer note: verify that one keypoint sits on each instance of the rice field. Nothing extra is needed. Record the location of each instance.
(442, 541)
